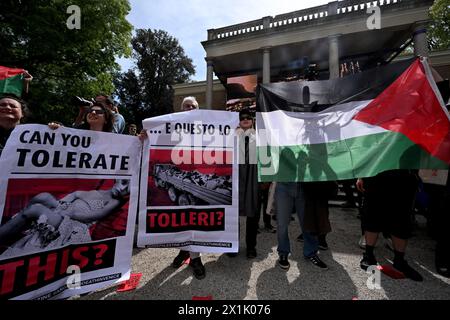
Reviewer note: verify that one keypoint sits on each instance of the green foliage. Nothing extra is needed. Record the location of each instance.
(439, 31)
(161, 62)
(34, 36)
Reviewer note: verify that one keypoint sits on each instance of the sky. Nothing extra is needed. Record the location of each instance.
(189, 20)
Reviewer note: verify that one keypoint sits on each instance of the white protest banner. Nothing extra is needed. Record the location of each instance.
(189, 182)
(68, 201)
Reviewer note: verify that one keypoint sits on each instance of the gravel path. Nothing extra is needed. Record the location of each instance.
(260, 279)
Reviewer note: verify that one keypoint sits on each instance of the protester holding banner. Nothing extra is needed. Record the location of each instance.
(97, 118)
(12, 108)
(249, 192)
(12, 112)
(68, 199)
(118, 119)
(188, 104)
(85, 108)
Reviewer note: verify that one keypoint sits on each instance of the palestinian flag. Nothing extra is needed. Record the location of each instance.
(11, 80)
(391, 117)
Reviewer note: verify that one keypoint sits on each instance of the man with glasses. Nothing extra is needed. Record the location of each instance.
(249, 193)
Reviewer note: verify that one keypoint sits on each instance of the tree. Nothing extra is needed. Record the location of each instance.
(64, 62)
(439, 31)
(160, 62)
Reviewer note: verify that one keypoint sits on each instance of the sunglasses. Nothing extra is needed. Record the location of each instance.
(97, 111)
(245, 118)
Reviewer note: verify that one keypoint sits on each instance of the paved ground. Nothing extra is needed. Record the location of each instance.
(260, 279)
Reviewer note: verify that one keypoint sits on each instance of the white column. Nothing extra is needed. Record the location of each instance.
(334, 56)
(266, 65)
(420, 40)
(209, 83)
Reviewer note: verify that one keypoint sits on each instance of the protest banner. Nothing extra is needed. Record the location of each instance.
(189, 182)
(68, 203)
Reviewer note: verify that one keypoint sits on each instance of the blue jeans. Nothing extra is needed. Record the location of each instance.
(286, 195)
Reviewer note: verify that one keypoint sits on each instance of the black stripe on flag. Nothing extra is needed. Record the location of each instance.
(319, 95)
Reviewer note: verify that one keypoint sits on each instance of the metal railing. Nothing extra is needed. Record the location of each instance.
(299, 17)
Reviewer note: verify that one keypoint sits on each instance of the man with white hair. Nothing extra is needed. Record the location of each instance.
(188, 104)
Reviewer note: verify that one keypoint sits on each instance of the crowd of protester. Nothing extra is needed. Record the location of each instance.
(385, 202)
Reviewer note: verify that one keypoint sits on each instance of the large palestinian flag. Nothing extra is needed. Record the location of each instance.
(11, 81)
(387, 118)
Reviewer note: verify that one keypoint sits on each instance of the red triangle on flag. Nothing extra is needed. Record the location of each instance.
(411, 107)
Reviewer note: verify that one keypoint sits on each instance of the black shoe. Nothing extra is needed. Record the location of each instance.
(283, 263)
(367, 261)
(323, 245)
(300, 238)
(407, 270)
(251, 253)
(199, 268)
(442, 262)
(269, 229)
(443, 271)
(315, 260)
(232, 254)
(180, 259)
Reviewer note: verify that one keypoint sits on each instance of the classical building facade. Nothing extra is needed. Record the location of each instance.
(326, 37)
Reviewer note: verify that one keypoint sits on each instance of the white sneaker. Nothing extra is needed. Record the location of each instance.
(362, 242)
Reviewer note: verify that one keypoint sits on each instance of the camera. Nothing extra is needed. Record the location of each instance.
(81, 102)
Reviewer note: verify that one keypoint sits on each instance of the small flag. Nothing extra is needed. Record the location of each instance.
(11, 80)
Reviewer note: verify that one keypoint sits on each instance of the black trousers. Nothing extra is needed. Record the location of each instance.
(251, 231)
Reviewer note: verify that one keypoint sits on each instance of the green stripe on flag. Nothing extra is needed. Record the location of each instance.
(12, 85)
(359, 157)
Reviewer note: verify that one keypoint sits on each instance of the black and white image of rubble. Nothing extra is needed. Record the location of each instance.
(190, 188)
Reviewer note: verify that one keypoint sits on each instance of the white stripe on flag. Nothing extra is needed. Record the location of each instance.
(281, 128)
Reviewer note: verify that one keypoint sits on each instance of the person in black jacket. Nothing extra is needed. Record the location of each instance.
(249, 192)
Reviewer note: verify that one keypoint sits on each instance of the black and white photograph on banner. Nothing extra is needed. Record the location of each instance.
(53, 213)
(188, 184)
